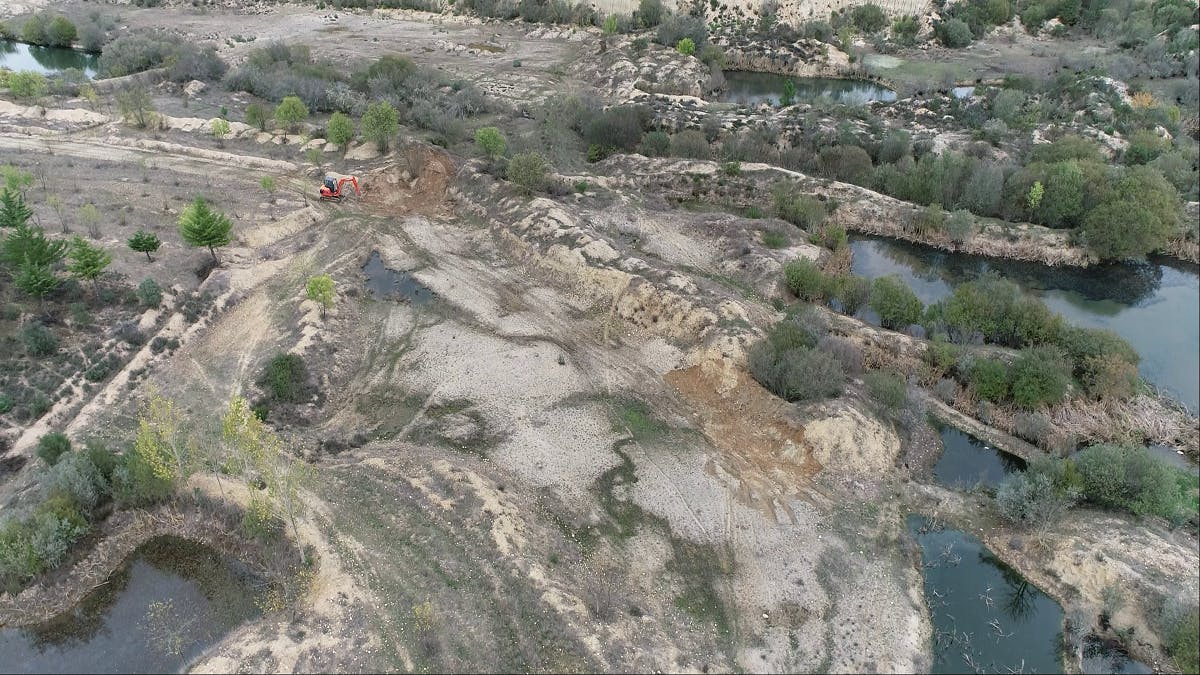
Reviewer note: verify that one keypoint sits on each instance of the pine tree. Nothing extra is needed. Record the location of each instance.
(88, 261)
(36, 279)
(29, 243)
(199, 225)
(13, 211)
(145, 242)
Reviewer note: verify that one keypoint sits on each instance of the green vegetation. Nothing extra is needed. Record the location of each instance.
(888, 388)
(319, 289)
(491, 142)
(789, 367)
(199, 225)
(380, 123)
(527, 171)
(27, 84)
(52, 446)
(895, 303)
(87, 262)
(285, 379)
(291, 113)
(805, 279)
(145, 242)
(340, 129)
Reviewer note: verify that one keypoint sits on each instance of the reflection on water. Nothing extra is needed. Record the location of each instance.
(45, 60)
(1153, 305)
(754, 88)
(157, 613)
(967, 461)
(986, 616)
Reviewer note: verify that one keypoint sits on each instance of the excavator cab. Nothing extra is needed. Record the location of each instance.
(332, 188)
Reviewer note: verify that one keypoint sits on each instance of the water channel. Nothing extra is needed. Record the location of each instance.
(46, 60)
(750, 88)
(158, 613)
(986, 616)
(1154, 305)
(967, 461)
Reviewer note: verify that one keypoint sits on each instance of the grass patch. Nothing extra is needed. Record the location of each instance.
(636, 418)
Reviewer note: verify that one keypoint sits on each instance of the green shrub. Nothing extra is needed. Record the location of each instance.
(527, 171)
(257, 116)
(1110, 378)
(931, 220)
(954, 33)
(848, 163)
(149, 293)
(380, 123)
(686, 46)
(285, 378)
(27, 84)
(77, 476)
(888, 388)
(618, 127)
(989, 379)
(775, 239)
(804, 279)
(1131, 479)
(833, 237)
(691, 144)
(1145, 145)
(868, 18)
(291, 112)
(851, 292)
(786, 335)
(655, 144)
(340, 129)
(995, 309)
(491, 142)
(1183, 641)
(798, 209)
(38, 340)
(1040, 376)
(60, 32)
(895, 303)
(960, 226)
(52, 446)
(941, 356)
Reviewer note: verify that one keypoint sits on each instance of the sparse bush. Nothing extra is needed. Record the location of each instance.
(833, 237)
(78, 477)
(677, 27)
(527, 171)
(491, 142)
(941, 356)
(888, 388)
(1110, 377)
(38, 340)
(798, 373)
(895, 303)
(848, 163)
(1030, 499)
(256, 116)
(618, 127)
(960, 226)
(655, 144)
(52, 446)
(798, 209)
(775, 239)
(190, 62)
(136, 106)
(1034, 427)
(134, 53)
(804, 279)
(691, 144)
(846, 352)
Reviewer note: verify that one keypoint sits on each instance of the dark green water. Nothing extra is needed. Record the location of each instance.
(1153, 305)
(967, 461)
(158, 613)
(986, 616)
(754, 88)
(389, 284)
(45, 60)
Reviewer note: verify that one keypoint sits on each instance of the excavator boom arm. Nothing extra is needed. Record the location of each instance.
(351, 180)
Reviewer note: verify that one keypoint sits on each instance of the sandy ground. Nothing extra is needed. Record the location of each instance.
(560, 453)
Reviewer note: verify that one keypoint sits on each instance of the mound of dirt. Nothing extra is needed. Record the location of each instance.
(418, 184)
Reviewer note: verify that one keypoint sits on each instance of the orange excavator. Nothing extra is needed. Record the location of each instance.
(332, 189)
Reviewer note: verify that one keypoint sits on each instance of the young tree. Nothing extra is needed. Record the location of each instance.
(256, 116)
(290, 112)
(55, 202)
(199, 225)
(145, 242)
(340, 129)
(161, 456)
(380, 123)
(255, 449)
(90, 215)
(527, 171)
(13, 211)
(136, 106)
(220, 129)
(28, 243)
(36, 279)
(898, 307)
(320, 290)
(87, 261)
(490, 141)
(60, 32)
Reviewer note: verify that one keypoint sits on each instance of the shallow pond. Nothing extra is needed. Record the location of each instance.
(1153, 305)
(389, 284)
(45, 60)
(752, 88)
(157, 613)
(986, 616)
(967, 461)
